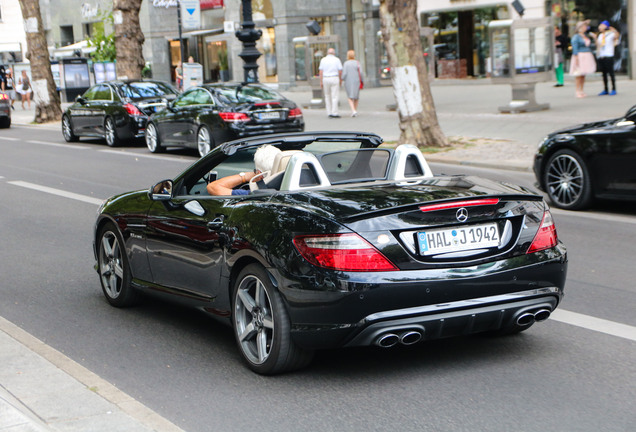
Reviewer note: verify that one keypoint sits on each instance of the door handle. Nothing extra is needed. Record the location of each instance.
(217, 222)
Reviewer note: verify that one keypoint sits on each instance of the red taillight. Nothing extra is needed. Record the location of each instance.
(346, 252)
(546, 237)
(457, 204)
(295, 113)
(4, 96)
(232, 117)
(132, 110)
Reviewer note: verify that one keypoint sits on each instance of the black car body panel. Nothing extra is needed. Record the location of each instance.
(5, 110)
(608, 149)
(192, 247)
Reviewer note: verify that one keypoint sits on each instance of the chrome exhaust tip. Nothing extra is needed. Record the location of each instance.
(387, 340)
(525, 319)
(542, 315)
(410, 337)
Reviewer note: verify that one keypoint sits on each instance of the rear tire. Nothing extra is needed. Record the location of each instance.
(67, 130)
(153, 141)
(567, 181)
(261, 325)
(110, 133)
(5, 122)
(205, 142)
(113, 268)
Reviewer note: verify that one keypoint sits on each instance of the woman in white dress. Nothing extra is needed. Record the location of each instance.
(24, 88)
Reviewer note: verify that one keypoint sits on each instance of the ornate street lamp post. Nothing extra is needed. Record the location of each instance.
(249, 35)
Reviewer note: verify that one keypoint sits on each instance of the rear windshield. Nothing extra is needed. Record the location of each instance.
(140, 90)
(247, 94)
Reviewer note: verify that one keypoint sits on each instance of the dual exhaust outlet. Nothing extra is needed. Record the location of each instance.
(527, 318)
(408, 337)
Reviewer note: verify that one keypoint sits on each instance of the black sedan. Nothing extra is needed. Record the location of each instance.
(204, 117)
(115, 110)
(594, 160)
(343, 244)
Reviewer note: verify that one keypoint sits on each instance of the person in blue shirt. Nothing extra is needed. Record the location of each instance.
(582, 61)
(263, 161)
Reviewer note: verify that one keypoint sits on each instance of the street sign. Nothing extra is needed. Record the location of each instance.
(191, 14)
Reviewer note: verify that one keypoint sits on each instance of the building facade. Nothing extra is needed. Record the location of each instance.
(13, 46)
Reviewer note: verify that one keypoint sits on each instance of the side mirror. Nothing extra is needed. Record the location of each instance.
(80, 99)
(162, 191)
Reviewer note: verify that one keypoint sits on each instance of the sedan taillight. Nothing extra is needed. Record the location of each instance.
(546, 237)
(295, 113)
(132, 110)
(345, 252)
(234, 117)
(4, 96)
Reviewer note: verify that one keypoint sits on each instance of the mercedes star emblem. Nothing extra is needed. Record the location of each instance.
(462, 214)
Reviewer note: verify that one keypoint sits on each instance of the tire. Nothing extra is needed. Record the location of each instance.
(153, 141)
(205, 142)
(110, 133)
(5, 122)
(567, 181)
(113, 268)
(67, 130)
(261, 325)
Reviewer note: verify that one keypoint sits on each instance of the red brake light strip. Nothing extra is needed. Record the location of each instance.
(457, 204)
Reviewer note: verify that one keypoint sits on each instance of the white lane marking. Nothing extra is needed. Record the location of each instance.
(58, 192)
(10, 138)
(52, 144)
(148, 156)
(595, 216)
(597, 324)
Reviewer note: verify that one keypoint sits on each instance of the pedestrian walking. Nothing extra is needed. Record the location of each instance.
(606, 42)
(178, 72)
(353, 81)
(9, 86)
(582, 62)
(24, 88)
(561, 43)
(330, 79)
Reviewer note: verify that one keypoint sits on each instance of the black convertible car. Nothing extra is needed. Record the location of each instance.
(115, 110)
(594, 160)
(204, 117)
(343, 244)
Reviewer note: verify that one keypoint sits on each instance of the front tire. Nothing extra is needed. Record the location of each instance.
(113, 268)
(153, 141)
(67, 130)
(261, 325)
(110, 133)
(204, 141)
(567, 181)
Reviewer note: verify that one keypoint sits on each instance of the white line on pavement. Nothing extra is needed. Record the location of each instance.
(595, 216)
(138, 155)
(10, 138)
(58, 192)
(597, 324)
(52, 144)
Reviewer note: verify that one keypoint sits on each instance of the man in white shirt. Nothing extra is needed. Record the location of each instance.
(330, 80)
(605, 43)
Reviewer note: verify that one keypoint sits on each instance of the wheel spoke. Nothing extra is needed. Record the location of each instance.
(119, 271)
(268, 323)
(261, 343)
(247, 300)
(107, 247)
(248, 333)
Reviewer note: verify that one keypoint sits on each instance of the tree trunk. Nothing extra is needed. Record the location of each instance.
(45, 96)
(401, 34)
(129, 39)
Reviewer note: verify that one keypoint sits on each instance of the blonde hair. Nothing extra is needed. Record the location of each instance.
(351, 55)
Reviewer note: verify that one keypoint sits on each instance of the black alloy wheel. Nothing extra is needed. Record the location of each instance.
(110, 132)
(153, 141)
(261, 325)
(567, 181)
(67, 130)
(113, 268)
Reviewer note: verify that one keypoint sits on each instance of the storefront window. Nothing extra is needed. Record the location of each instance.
(216, 66)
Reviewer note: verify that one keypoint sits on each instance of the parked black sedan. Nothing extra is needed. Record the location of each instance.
(115, 110)
(204, 117)
(343, 244)
(5, 110)
(593, 160)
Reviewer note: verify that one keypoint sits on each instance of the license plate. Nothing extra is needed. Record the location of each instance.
(269, 115)
(458, 239)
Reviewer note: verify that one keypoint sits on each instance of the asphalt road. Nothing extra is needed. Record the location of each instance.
(555, 377)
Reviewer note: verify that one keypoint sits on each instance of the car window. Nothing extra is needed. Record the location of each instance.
(90, 93)
(145, 89)
(356, 165)
(247, 94)
(102, 93)
(188, 98)
(202, 97)
(241, 161)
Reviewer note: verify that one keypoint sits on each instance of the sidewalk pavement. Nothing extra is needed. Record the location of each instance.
(42, 390)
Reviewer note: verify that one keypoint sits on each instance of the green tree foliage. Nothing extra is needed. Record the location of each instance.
(104, 43)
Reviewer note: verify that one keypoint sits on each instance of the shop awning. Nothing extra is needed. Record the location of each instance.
(10, 47)
(69, 50)
(206, 32)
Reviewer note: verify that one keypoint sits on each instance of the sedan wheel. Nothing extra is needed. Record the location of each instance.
(567, 181)
(67, 130)
(204, 141)
(114, 272)
(261, 325)
(110, 133)
(153, 142)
